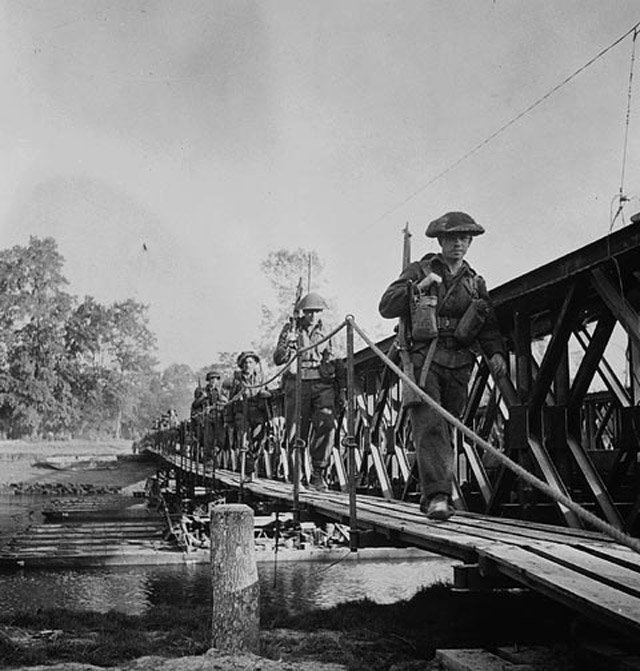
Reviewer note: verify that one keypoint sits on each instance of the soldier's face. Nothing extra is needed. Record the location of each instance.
(454, 247)
(249, 365)
(310, 317)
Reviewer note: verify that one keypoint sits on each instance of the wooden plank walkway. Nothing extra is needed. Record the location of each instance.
(586, 571)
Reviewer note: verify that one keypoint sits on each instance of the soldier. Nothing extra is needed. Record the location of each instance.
(215, 399)
(448, 307)
(318, 384)
(248, 411)
(213, 388)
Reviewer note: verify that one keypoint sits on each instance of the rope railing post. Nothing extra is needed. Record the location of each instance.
(298, 441)
(350, 441)
(243, 446)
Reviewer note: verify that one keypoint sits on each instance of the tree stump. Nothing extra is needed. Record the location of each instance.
(234, 580)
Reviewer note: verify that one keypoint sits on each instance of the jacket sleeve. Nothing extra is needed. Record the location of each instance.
(395, 300)
(285, 349)
(489, 338)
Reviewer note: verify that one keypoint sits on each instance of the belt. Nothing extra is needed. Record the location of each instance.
(305, 374)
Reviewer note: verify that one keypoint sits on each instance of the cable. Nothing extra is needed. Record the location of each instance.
(621, 197)
(510, 123)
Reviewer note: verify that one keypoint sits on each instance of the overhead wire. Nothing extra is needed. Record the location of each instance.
(509, 123)
(622, 198)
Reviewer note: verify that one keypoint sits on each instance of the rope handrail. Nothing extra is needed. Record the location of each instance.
(291, 361)
(553, 493)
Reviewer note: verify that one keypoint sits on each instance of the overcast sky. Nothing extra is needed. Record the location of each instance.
(214, 131)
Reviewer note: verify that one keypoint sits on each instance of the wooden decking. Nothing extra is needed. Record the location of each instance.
(584, 570)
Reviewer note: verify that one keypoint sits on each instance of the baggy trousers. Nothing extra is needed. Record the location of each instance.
(318, 414)
(431, 432)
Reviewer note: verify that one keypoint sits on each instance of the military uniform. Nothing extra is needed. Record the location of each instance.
(318, 389)
(214, 422)
(446, 380)
(246, 397)
(206, 415)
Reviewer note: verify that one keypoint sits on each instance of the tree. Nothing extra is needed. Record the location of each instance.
(33, 312)
(110, 364)
(128, 346)
(176, 389)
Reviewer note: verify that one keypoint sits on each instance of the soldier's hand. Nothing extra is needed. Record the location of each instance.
(428, 281)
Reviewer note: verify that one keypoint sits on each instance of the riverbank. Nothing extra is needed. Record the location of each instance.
(359, 636)
(39, 467)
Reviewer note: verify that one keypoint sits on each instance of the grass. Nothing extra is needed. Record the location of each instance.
(362, 635)
(105, 639)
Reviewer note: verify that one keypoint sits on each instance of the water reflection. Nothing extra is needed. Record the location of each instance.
(299, 586)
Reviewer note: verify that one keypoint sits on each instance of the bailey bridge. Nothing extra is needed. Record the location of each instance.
(547, 489)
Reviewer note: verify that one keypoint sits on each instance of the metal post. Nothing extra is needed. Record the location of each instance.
(298, 441)
(243, 447)
(351, 440)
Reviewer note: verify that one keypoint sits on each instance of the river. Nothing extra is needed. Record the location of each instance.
(132, 590)
(299, 586)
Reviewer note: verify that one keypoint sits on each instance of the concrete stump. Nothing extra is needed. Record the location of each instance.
(234, 580)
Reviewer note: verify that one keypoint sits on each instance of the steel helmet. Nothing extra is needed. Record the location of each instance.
(248, 354)
(311, 301)
(212, 375)
(453, 223)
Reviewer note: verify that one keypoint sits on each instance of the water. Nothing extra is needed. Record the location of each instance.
(133, 590)
(299, 586)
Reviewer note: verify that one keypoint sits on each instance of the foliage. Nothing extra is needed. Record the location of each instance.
(287, 272)
(67, 368)
(78, 368)
(33, 308)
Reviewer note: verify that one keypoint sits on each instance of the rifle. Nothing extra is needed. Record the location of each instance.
(409, 396)
(293, 320)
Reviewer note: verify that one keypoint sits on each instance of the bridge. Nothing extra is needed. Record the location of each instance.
(547, 489)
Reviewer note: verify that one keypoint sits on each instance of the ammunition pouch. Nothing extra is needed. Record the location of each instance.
(424, 324)
(472, 321)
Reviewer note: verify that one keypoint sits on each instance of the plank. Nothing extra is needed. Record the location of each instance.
(620, 555)
(598, 568)
(458, 523)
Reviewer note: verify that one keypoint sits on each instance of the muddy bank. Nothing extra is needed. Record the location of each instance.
(73, 467)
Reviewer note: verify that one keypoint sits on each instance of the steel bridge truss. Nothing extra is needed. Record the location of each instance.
(563, 413)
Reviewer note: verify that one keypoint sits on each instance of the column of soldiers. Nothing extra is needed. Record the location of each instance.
(235, 415)
(444, 305)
